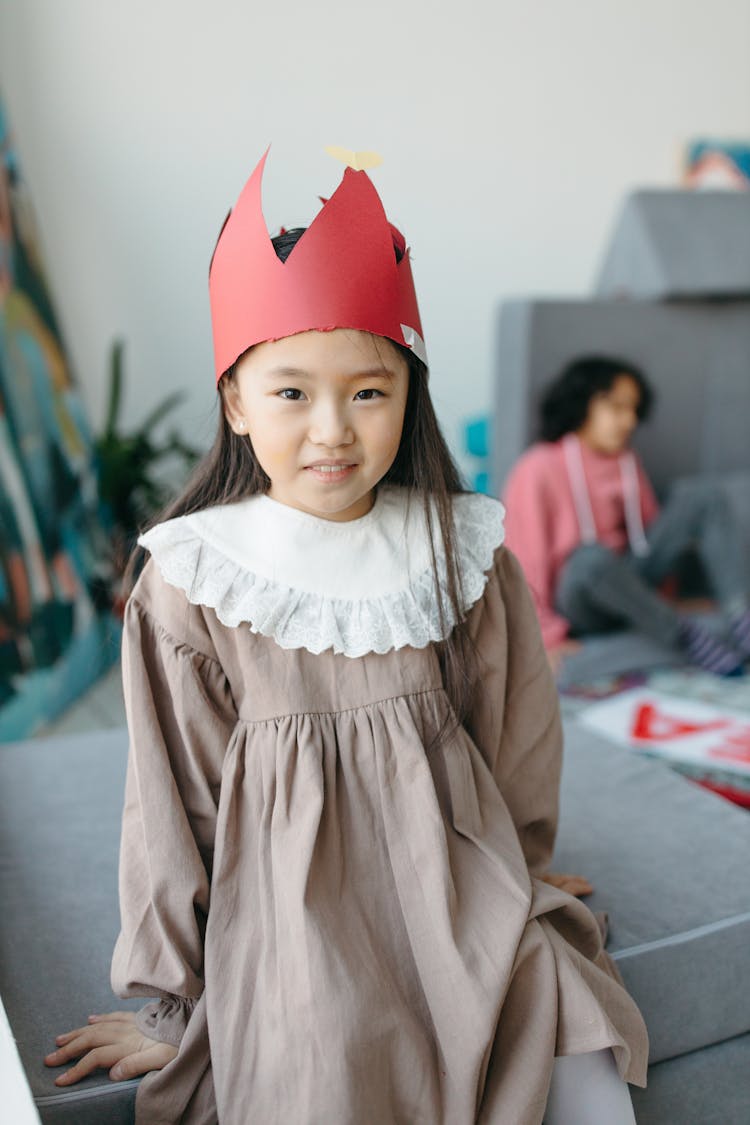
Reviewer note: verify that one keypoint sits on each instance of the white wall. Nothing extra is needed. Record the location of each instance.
(510, 131)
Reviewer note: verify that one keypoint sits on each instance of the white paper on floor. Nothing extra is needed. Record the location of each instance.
(685, 731)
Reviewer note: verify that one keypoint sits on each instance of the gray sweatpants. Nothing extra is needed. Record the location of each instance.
(601, 590)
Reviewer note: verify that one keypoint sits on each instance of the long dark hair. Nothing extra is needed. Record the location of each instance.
(565, 402)
(230, 471)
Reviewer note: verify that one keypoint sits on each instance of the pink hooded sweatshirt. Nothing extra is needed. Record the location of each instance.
(562, 494)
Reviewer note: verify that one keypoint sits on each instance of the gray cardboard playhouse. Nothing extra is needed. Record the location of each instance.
(670, 862)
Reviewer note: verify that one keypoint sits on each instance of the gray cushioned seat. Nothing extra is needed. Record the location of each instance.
(668, 860)
(707, 1087)
(60, 811)
(669, 864)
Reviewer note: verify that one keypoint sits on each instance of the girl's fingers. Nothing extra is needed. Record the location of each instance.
(580, 888)
(68, 1050)
(100, 1057)
(75, 1043)
(153, 1058)
(68, 1035)
(114, 1055)
(572, 884)
(557, 878)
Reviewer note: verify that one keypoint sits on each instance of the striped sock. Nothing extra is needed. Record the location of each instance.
(709, 652)
(740, 632)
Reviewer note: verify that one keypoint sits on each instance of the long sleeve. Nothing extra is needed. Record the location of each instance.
(649, 503)
(180, 717)
(515, 720)
(528, 534)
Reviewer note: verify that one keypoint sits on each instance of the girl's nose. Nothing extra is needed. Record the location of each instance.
(330, 427)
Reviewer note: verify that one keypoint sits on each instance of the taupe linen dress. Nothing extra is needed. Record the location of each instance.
(344, 924)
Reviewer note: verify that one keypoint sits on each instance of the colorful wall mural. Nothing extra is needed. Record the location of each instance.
(57, 634)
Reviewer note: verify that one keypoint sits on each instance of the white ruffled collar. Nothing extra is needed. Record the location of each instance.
(356, 587)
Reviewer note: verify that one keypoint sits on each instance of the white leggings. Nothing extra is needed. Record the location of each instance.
(587, 1090)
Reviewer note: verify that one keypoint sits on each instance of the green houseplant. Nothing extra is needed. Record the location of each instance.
(130, 488)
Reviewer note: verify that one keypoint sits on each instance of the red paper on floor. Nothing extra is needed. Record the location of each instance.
(708, 743)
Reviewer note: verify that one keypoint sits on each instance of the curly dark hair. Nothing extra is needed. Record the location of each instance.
(565, 402)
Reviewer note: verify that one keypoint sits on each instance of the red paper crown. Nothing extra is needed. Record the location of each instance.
(342, 273)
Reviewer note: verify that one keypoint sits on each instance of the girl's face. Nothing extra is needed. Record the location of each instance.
(612, 416)
(324, 412)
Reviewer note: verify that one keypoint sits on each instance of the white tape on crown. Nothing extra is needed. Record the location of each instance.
(413, 340)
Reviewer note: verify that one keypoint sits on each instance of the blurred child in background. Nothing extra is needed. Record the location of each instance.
(593, 542)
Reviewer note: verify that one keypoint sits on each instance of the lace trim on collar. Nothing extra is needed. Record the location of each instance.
(318, 621)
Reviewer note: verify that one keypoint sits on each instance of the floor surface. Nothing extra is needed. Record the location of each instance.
(101, 707)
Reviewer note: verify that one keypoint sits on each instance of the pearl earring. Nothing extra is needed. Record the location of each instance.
(241, 424)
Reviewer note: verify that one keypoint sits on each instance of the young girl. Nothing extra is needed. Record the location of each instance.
(345, 747)
(594, 546)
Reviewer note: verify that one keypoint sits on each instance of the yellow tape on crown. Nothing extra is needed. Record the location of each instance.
(359, 161)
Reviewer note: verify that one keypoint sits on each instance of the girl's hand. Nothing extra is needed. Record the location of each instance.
(111, 1041)
(573, 884)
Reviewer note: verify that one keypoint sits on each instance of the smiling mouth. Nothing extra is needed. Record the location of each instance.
(341, 468)
(327, 474)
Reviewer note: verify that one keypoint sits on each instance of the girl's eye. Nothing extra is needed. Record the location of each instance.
(291, 394)
(368, 394)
